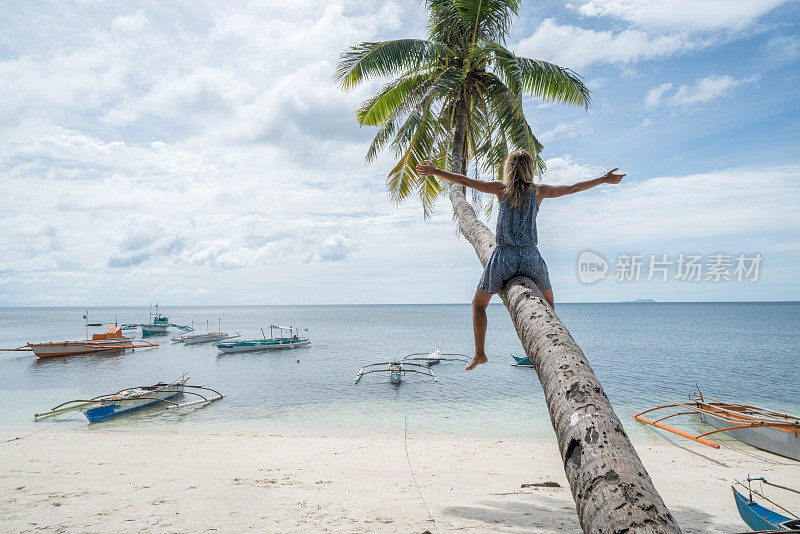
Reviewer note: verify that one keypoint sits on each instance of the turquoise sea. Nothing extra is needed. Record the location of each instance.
(644, 354)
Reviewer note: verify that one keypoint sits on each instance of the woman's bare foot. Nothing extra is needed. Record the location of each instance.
(476, 361)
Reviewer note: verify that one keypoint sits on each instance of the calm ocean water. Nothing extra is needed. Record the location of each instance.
(644, 354)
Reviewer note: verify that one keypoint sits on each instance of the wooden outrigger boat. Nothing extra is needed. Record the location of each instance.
(761, 518)
(110, 340)
(293, 341)
(192, 339)
(436, 357)
(764, 429)
(208, 337)
(158, 325)
(396, 370)
(130, 399)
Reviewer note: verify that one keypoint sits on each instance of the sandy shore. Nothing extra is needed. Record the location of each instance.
(101, 481)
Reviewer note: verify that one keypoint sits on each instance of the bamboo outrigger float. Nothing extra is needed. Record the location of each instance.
(768, 430)
(436, 357)
(396, 369)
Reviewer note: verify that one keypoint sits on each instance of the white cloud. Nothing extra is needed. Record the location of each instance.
(130, 23)
(565, 170)
(565, 130)
(574, 47)
(702, 91)
(654, 95)
(681, 15)
(735, 207)
(335, 248)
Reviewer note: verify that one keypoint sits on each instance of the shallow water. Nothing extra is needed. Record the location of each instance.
(644, 354)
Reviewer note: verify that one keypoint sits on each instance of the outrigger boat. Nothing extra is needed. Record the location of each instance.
(760, 518)
(435, 357)
(396, 369)
(110, 340)
(158, 325)
(130, 399)
(764, 429)
(191, 339)
(272, 342)
(521, 361)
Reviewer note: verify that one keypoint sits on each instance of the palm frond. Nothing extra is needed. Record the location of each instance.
(403, 92)
(370, 60)
(539, 78)
(488, 19)
(505, 107)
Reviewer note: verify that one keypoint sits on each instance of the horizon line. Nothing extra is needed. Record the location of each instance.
(83, 306)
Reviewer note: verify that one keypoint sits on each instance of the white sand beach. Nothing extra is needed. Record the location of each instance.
(104, 481)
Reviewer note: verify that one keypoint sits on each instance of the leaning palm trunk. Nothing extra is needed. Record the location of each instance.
(611, 488)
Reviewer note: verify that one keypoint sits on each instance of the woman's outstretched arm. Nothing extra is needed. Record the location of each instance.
(494, 187)
(553, 191)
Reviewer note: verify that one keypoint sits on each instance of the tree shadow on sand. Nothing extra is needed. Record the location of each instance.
(556, 513)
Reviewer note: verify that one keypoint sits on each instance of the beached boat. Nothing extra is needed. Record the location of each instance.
(521, 361)
(110, 340)
(396, 369)
(764, 429)
(293, 341)
(158, 325)
(435, 357)
(761, 518)
(131, 399)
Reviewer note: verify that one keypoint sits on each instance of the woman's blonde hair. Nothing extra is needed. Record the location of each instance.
(518, 174)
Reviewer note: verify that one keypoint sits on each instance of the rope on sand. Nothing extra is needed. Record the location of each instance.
(405, 445)
(37, 431)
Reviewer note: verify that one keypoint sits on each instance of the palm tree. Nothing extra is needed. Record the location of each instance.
(457, 96)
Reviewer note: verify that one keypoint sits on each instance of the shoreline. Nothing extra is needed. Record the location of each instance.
(124, 480)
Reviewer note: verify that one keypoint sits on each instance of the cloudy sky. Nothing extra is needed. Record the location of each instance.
(200, 153)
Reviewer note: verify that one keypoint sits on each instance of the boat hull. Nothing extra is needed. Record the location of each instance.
(71, 348)
(203, 338)
(259, 345)
(154, 329)
(781, 442)
(113, 407)
(756, 516)
(521, 361)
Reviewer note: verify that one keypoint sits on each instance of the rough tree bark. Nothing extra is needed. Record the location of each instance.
(613, 492)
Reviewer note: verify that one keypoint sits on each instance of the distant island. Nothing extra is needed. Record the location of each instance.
(639, 301)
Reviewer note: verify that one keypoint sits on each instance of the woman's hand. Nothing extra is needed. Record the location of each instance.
(426, 168)
(611, 178)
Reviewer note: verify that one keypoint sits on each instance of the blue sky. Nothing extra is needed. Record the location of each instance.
(202, 154)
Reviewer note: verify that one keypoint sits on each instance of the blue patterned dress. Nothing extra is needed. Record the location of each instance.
(516, 252)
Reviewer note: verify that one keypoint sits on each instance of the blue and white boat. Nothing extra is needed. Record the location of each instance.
(131, 399)
(274, 342)
(760, 518)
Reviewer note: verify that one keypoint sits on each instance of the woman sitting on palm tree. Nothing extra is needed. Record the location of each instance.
(516, 252)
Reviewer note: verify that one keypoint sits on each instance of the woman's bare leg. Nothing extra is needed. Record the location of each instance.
(479, 303)
(548, 296)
